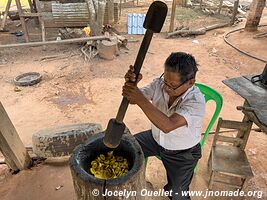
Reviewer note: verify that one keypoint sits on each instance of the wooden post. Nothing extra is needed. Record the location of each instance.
(16, 155)
(6, 13)
(236, 3)
(172, 16)
(41, 20)
(31, 6)
(254, 15)
(244, 134)
(22, 20)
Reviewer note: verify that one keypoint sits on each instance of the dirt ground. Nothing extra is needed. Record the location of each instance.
(76, 91)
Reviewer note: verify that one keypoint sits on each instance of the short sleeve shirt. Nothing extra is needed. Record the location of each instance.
(190, 105)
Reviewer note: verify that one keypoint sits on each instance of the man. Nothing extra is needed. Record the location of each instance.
(176, 107)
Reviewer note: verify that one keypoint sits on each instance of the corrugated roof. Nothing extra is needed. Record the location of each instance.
(135, 23)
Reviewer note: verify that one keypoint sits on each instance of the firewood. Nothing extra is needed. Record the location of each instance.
(260, 35)
(199, 31)
(68, 41)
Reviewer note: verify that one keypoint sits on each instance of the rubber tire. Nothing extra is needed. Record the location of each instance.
(30, 82)
(61, 141)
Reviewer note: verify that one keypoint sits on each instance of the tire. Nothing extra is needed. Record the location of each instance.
(28, 79)
(61, 141)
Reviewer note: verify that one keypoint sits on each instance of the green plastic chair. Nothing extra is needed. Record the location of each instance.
(209, 94)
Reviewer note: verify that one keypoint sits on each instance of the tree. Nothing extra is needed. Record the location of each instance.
(96, 9)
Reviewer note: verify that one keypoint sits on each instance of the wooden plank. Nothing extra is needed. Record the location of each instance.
(244, 134)
(230, 159)
(22, 20)
(31, 6)
(254, 93)
(68, 41)
(227, 183)
(211, 181)
(216, 132)
(11, 145)
(229, 124)
(172, 15)
(229, 139)
(254, 118)
(30, 15)
(41, 21)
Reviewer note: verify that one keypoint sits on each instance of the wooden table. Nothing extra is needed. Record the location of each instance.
(255, 95)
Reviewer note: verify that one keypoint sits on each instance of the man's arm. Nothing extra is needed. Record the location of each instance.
(142, 96)
(159, 119)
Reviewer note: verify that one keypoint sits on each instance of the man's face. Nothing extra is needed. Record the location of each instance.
(173, 84)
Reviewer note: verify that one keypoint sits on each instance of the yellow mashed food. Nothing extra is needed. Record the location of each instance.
(109, 166)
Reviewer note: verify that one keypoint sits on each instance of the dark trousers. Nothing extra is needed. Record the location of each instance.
(179, 164)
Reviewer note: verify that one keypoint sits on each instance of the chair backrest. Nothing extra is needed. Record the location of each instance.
(243, 127)
(210, 94)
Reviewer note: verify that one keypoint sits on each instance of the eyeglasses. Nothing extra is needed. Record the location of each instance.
(171, 87)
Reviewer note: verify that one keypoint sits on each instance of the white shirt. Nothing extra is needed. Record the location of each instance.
(191, 105)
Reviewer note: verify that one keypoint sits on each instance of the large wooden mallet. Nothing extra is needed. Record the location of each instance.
(154, 21)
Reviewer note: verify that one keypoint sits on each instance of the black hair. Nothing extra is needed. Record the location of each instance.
(182, 63)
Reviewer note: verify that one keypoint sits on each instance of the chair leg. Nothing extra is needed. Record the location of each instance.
(211, 180)
(209, 162)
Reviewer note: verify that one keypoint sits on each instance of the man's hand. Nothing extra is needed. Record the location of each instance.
(130, 90)
(132, 93)
(130, 76)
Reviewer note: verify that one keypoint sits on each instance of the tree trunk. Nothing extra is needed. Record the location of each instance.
(96, 9)
(254, 15)
(87, 187)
